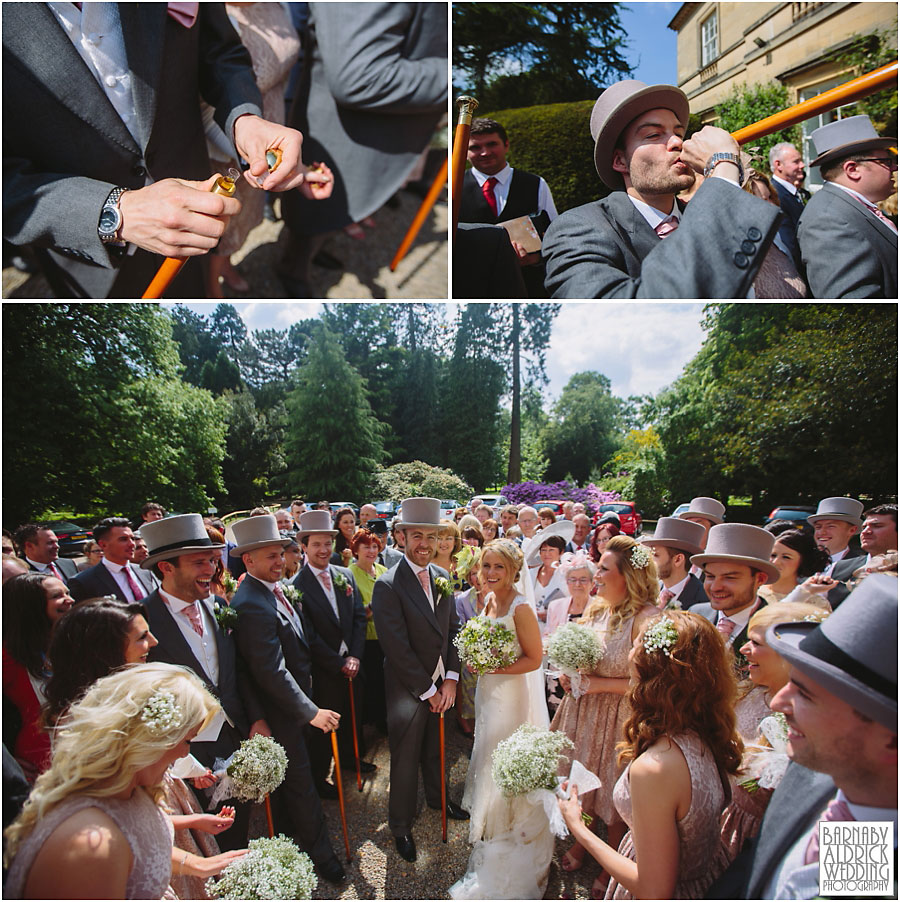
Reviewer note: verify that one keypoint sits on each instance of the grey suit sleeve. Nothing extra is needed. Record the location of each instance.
(362, 48)
(715, 253)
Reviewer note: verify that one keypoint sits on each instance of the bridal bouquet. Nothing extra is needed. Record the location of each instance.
(257, 768)
(272, 869)
(528, 760)
(766, 764)
(486, 645)
(573, 648)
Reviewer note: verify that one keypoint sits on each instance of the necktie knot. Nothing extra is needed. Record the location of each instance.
(837, 810)
(326, 579)
(666, 227)
(488, 190)
(725, 626)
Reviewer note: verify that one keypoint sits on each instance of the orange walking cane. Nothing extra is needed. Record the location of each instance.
(355, 737)
(436, 187)
(171, 266)
(467, 106)
(848, 92)
(340, 789)
(269, 817)
(443, 784)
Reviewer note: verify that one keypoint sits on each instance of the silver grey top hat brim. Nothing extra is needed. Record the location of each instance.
(709, 508)
(852, 654)
(316, 522)
(742, 544)
(422, 512)
(682, 535)
(257, 532)
(618, 105)
(173, 536)
(563, 528)
(844, 137)
(849, 510)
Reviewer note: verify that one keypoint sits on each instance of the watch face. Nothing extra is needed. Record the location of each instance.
(109, 220)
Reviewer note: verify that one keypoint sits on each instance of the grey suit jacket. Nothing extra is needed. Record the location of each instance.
(848, 253)
(843, 570)
(376, 90)
(97, 581)
(740, 662)
(605, 249)
(67, 568)
(391, 556)
(693, 593)
(65, 148)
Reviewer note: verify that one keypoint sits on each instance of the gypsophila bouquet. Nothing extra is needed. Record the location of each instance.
(257, 768)
(272, 869)
(528, 760)
(486, 645)
(226, 616)
(160, 713)
(574, 647)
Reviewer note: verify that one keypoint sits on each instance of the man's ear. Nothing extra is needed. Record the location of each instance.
(618, 161)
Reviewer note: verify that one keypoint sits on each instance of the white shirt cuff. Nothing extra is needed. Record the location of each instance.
(427, 695)
(452, 675)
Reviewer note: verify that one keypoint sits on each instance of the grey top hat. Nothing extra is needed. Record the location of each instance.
(682, 535)
(257, 532)
(705, 507)
(852, 654)
(845, 137)
(616, 107)
(564, 528)
(420, 512)
(316, 521)
(741, 543)
(847, 509)
(174, 536)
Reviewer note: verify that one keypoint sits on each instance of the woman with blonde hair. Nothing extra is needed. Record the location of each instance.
(96, 807)
(680, 744)
(628, 584)
(449, 542)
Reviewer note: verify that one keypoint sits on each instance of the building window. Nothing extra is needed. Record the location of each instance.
(709, 40)
(814, 179)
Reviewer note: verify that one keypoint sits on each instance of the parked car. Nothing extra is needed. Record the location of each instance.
(630, 518)
(555, 505)
(493, 501)
(448, 508)
(796, 513)
(71, 536)
(682, 508)
(337, 505)
(385, 510)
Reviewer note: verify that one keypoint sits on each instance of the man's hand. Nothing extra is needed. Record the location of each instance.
(253, 137)
(523, 257)
(697, 150)
(318, 182)
(820, 584)
(259, 728)
(175, 217)
(351, 667)
(443, 699)
(327, 721)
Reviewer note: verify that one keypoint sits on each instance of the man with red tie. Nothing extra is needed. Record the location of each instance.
(115, 574)
(40, 546)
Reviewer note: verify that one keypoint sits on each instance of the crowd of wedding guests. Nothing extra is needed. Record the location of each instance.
(748, 683)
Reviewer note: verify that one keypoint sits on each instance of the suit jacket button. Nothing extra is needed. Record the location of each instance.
(740, 261)
(754, 233)
(139, 171)
(748, 247)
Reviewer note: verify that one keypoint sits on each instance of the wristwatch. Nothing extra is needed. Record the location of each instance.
(717, 158)
(111, 219)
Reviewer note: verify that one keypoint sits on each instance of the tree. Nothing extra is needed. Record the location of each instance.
(229, 328)
(639, 468)
(416, 478)
(334, 441)
(220, 374)
(197, 345)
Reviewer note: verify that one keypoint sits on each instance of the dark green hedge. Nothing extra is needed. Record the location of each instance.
(554, 141)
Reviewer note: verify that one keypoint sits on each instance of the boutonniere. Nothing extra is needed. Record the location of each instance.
(226, 616)
(340, 582)
(293, 595)
(444, 587)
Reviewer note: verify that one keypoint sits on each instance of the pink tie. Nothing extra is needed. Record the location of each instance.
(836, 811)
(665, 597)
(488, 190)
(52, 567)
(194, 616)
(425, 582)
(136, 590)
(326, 580)
(725, 626)
(872, 208)
(279, 594)
(184, 13)
(666, 227)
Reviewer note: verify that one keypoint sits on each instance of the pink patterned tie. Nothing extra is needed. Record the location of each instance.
(425, 581)
(326, 580)
(136, 590)
(725, 626)
(666, 227)
(836, 811)
(872, 208)
(664, 598)
(184, 13)
(279, 594)
(194, 616)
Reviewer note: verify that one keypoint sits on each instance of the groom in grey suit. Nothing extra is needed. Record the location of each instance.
(416, 624)
(626, 245)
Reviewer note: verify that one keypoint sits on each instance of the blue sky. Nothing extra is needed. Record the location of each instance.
(652, 46)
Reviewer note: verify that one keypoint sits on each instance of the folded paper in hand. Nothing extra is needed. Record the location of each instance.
(522, 230)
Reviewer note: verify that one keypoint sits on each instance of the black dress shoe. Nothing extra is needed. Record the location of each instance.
(406, 847)
(454, 812)
(332, 871)
(327, 791)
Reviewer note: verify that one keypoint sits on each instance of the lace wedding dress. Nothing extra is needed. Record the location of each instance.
(513, 844)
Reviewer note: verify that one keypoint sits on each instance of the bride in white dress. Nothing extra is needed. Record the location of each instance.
(513, 845)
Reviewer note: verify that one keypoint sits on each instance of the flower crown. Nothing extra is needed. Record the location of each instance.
(661, 636)
(161, 714)
(576, 560)
(640, 556)
(466, 558)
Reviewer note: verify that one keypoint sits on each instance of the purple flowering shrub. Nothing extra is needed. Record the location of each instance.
(532, 492)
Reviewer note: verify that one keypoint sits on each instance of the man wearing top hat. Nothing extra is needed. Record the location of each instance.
(181, 616)
(735, 564)
(849, 247)
(708, 513)
(673, 543)
(640, 241)
(835, 522)
(333, 606)
(841, 709)
(278, 644)
(416, 623)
